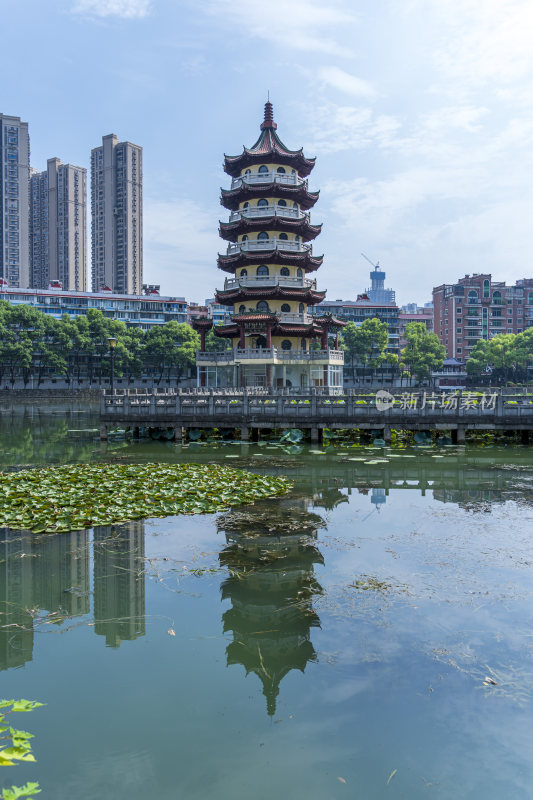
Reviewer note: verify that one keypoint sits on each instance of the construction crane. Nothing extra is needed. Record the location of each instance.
(376, 266)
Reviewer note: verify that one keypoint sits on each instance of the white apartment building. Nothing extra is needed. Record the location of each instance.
(14, 201)
(116, 208)
(58, 226)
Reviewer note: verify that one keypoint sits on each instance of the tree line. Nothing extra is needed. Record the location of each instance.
(502, 359)
(365, 347)
(34, 346)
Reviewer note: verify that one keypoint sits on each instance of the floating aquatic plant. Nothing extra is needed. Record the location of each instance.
(77, 496)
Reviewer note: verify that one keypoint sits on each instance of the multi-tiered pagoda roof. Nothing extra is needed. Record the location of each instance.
(268, 147)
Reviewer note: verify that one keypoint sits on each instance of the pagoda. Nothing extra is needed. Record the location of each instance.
(277, 339)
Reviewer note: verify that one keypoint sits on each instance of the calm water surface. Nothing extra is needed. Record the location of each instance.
(330, 644)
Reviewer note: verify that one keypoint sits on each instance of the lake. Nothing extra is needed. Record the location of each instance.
(369, 635)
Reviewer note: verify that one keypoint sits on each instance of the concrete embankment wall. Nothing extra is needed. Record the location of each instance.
(15, 396)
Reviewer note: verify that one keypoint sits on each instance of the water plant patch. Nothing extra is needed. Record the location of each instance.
(78, 496)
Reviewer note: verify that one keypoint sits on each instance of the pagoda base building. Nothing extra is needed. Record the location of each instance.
(275, 339)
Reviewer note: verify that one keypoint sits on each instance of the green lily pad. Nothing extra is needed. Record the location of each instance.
(78, 496)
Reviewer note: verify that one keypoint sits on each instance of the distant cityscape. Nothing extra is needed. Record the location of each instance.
(44, 256)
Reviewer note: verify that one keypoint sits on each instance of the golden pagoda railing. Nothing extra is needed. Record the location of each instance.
(276, 354)
(268, 211)
(254, 178)
(268, 244)
(272, 280)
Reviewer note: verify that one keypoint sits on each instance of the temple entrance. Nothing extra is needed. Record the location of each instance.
(261, 342)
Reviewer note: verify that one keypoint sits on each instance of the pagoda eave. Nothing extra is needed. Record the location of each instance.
(226, 331)
(200, 323)
(231, 198)
(228, 297)
(233, 165)
(303, 260)
(301, 227)
(331, 321)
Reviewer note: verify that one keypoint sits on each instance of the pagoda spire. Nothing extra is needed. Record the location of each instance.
(269, 117)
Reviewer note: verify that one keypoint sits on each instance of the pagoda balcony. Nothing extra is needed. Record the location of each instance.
(254, 281)
(254, 212)
(273, 354)
(300, 319)
(267, 244)
(254, 178)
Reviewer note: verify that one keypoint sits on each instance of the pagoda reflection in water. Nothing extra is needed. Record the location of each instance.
(270, 555)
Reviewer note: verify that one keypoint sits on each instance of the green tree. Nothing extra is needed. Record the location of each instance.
(51, 353)
(365, 344)
(133, 344)
(214, 343)
(424, 352)
(170, 349)
(479, 363)
(503, 358)
(21, 332)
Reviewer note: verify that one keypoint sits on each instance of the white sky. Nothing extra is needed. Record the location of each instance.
(420, 114)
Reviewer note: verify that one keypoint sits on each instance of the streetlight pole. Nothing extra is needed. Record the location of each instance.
(112, 344)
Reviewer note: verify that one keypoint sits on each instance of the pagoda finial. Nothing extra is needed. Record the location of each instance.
(269, 115)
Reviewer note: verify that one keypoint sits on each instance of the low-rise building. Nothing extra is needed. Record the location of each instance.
(217, 312)
(140, 311)
(476, 307)
(196, 311)
(451, 376)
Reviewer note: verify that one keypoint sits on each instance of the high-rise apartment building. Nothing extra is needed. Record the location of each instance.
(116, 207)
(58, 226)
(14, 201)
(476, 307)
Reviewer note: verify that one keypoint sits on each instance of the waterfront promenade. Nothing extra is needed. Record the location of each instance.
(252, 410)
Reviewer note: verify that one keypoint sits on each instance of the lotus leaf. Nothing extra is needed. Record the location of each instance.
(76, 496)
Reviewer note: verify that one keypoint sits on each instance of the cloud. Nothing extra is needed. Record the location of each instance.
(127, 9)
(333, 128)
(482, 43)
(339, 79)
(296, 25)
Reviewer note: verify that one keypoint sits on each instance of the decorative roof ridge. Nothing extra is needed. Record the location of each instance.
(269, 142)
(268, 122)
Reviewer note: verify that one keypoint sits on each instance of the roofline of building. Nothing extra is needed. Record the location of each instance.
(96, 295)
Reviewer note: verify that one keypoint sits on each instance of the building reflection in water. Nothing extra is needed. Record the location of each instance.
(39, 574)
(270, 554)
(119, 582)
(46, 579)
